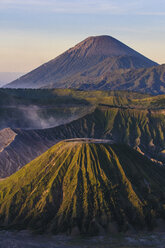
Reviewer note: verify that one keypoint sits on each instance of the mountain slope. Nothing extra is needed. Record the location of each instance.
(94, 53)
(141, 129)
(86, 185)
(144, 80)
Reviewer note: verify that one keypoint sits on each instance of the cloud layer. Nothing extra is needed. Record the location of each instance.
(141, 7)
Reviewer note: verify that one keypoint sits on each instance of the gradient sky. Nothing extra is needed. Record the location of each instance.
(35, 31)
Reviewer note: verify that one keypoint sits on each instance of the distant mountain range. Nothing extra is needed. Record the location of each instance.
(98, 62)
(83, 186)
(145, 80)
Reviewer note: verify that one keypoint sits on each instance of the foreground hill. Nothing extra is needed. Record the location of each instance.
(84, 186)
(142, 129)
(92, 57)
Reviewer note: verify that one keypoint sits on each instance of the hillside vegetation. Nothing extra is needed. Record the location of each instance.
(84, 186)
(138, 128)
(143, 130)
(69, 98)
(39, 109)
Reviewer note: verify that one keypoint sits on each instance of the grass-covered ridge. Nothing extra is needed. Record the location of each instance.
(44, 108)
(144, 129)
(57, 97)
(126, 117)
(65, 96)
(35, 109)
(87, 186)
(141, 129)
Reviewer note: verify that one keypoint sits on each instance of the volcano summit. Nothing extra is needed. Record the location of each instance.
(88, 60)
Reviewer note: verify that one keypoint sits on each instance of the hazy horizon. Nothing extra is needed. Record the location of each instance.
(37, 31)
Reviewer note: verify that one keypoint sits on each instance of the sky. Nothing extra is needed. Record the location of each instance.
(34, 31)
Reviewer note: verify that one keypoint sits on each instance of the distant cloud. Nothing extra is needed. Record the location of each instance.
(152, 13)
(88, 6)
(62, 6)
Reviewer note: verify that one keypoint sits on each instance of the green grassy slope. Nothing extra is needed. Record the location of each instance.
(127, 117)
(65, 97)
(35, 109)
(137, 128)
(142, 129)
(84, 185)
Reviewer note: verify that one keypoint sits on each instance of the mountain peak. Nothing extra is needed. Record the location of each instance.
(92, 57)
(103, 45)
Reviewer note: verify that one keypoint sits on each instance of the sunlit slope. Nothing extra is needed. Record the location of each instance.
(86, 186)
(141, 129)
(39, 109)
(57, 97)
(138, 128)
(70, 97)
